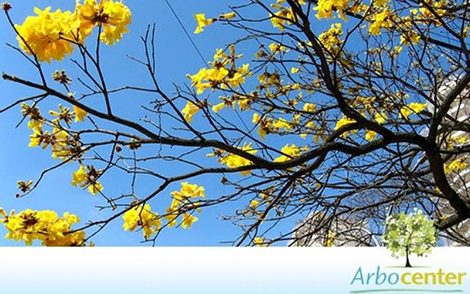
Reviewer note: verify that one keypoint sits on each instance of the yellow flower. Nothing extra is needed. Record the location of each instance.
(256, 118)
(31, 111)
(380, 118)
(61, 77)
(188, 221)
(229, 15)
(202, 22)
(171, 217)
(114, 17)
(183, 199)
(281, 123)
(79, 176)
(260, 242)
(276, 48)
(456, 165)
(38, 138)
(330, 38)
(35, 125)
(411, 108)
(410, 37)
(280, 18)
(254, 204)
(381, 20)
(63, 114)
(80, 114)
(142, 216)
(95, 188)
(310, 107)
(46, 32)
(244, 103)
(197, 81)
(234, 161)
(344, 121)
(188, 191)
(59, 141)
(222, 74)
(189, 110)
(86, 176)
(325, 8)
(24, 186)
(262, 133)
(289, 152)
(370, 135)
(218, 107)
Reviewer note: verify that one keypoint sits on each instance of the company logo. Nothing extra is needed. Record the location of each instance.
(406, 235)
(406, 280)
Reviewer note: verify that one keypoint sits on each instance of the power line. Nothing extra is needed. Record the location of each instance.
(195, 47)
(186, 32)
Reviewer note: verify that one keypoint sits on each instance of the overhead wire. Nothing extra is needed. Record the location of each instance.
(186, 32)
(195, 46)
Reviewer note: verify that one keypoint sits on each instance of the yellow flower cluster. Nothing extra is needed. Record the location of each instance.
(326, 8)
(370, 135)
(45, 226)
(380, 118)
(290, 152)
(344, 121)
(283, 16)
(438, 7)
(411, 108)
(183, 201)
(52, 35)
(229, 102)
(222, 74)
(277, 48)
(87, 177)
(114, 17)
(330, 38)
(142, 216)
(46, 34)
(279, 125)
(63, 146)
(381, 20)
(233, 160)
(456, 165)
(410, 37)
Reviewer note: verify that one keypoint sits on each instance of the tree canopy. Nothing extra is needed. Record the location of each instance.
(348, 109)
(413, 233)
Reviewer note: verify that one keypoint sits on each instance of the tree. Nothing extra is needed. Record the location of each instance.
(412, 233)
(322, 107)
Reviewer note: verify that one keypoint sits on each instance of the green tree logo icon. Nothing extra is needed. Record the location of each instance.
(409, 233)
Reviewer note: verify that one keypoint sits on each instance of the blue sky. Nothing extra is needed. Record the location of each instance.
(175, 58)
